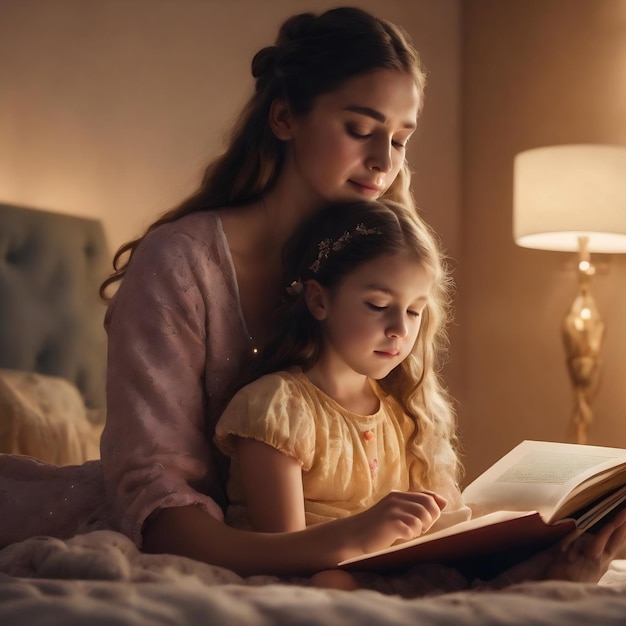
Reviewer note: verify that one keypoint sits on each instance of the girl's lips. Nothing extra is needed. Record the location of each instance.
(388, 353)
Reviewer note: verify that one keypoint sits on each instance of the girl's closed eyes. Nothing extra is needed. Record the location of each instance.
(381, 308)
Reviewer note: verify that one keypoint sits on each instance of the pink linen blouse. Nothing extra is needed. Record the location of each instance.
(177, 340)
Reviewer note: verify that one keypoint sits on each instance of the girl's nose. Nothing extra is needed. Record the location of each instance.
(397, 328)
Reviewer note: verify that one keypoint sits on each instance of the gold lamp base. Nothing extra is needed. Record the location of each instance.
(583, 330)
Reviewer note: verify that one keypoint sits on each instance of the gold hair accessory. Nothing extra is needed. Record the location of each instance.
(326, 246)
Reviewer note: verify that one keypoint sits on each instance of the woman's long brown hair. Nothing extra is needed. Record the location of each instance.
(312, 55)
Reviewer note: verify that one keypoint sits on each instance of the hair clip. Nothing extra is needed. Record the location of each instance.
(295, 288)
(326, 246)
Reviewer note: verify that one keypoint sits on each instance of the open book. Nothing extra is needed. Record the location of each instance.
(529, 499)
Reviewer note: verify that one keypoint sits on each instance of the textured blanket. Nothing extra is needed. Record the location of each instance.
(101, 578)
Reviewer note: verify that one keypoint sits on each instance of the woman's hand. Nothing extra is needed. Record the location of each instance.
(399, 516)
(578, 558)
(585, 558)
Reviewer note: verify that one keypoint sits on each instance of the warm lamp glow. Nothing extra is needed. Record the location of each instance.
(573, 198)
(564, 192)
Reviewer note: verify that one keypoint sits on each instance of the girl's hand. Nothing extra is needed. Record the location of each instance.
(399, 516)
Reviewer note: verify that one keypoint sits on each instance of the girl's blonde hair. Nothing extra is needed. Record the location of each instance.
(313, 55)
(329, 246)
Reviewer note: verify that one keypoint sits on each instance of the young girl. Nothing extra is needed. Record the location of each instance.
(335, 101)
(348, 406)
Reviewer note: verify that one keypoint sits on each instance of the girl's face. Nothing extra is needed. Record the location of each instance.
(352, 144)
(372, 318)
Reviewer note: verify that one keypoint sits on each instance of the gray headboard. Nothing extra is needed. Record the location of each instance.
(51, 266)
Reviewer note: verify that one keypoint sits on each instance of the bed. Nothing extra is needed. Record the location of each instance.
(52, 361)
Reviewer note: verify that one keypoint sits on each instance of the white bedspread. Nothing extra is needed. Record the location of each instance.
(101, 578)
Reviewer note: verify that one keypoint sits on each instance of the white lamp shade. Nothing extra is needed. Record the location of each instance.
(564, 192)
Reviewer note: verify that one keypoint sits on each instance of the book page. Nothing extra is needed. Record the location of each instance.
(538, 475)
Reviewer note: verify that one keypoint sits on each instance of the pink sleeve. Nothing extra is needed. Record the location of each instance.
(154, 450)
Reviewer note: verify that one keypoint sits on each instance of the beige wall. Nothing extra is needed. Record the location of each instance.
(536, 72)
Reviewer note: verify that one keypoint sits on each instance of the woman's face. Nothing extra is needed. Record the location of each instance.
(352, 144)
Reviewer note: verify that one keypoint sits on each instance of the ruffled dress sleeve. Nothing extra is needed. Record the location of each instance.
(272, 410)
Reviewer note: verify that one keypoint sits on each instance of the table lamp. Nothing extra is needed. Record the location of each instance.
(572, 198)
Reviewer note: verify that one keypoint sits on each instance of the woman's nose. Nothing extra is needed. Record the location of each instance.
(379, 157)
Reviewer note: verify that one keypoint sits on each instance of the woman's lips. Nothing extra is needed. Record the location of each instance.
(365, 189)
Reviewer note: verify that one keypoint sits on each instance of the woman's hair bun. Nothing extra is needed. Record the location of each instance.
(264, 61)
(295, 28)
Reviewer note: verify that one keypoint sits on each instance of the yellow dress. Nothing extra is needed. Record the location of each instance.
(349, 461)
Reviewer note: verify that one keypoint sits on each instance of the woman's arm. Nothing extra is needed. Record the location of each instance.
(272, 482)
(190, 531)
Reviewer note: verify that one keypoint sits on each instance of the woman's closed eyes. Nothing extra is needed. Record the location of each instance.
(362, 134)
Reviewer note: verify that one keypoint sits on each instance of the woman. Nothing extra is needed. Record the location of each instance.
(335, 103)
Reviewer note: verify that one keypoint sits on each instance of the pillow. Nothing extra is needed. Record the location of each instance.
(45, 417)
